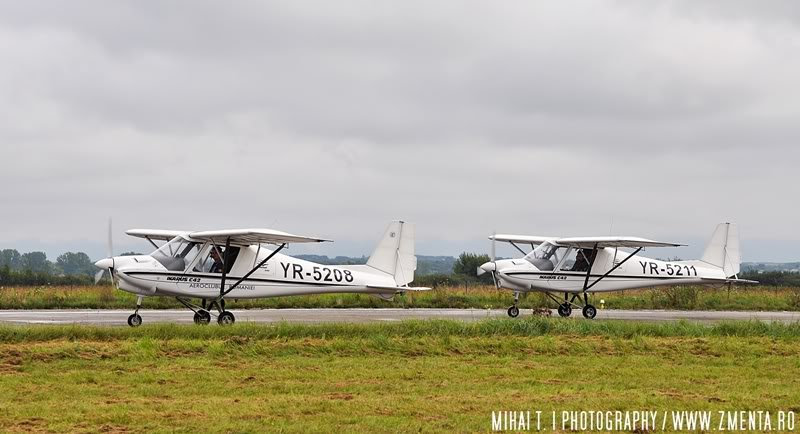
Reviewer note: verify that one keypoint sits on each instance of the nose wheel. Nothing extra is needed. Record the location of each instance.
(513, 311)
(135, 320)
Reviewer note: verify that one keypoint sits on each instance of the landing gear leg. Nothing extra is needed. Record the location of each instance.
(135, 320)
(565, 308)
(513, 311)
(589, 311)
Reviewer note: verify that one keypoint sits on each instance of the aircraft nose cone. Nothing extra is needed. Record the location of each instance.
(489, 267)
(104, 264)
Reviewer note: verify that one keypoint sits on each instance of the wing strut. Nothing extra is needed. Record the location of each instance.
(586, 288)
(225, 259)
(270, 256)
(589, 270)
(151, 242)
(517, 247)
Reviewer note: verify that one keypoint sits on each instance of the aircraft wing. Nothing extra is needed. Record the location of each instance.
(155, 234)
(591, 242)
(248, 237)
(523, 239)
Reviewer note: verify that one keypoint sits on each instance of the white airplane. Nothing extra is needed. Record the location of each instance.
(214, 266)
(577, 266)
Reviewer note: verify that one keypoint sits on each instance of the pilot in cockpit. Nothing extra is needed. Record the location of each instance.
(217, 266)
(581, 260)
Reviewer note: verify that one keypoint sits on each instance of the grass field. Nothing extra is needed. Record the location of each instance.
(700, 298)
(428, 376)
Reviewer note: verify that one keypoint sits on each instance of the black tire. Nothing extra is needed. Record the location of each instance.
(226, 318)
(564, 310)
(513, 311)
(202, 317)
(134, 320)
(589, 311)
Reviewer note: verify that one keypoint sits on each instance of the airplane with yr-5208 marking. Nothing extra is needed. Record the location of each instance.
(214, 266)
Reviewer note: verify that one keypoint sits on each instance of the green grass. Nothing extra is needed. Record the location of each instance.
(431, 376)
(748, 298)
(503, 327)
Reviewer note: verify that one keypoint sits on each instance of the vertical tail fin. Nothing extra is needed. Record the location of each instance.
(395, 253)
(723, 249)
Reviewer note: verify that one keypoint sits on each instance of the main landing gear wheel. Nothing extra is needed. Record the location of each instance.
(513, 311)
(589, 311)
(226, 318)
(134, 320)
(202, 317)
(564, 309)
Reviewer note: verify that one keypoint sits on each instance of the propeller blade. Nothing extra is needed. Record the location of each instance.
(98, 276)
(110, 240)
(494, 279)
(494, 242)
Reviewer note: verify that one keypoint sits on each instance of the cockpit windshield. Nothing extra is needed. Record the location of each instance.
(546, 256)
(177, 254)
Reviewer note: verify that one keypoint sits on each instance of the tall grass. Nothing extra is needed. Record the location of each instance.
(415, 328)
(752, 298)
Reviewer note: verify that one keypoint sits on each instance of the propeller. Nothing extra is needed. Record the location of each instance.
(106, 264)
(491, 266)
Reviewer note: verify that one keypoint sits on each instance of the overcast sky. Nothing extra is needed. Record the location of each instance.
(652, 119)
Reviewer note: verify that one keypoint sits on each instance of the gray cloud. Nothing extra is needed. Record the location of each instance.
(332, 118)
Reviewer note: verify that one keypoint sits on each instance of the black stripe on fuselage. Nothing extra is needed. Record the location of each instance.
(234, 279)
(610, 276)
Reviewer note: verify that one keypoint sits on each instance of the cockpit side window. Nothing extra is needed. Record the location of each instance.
(576, 260)
(546, 256)
(176, 254)
(213, 260)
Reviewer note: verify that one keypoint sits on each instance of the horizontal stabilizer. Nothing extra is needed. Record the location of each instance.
(720, 280)
(400, 288)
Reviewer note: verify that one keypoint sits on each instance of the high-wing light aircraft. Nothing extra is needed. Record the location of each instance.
(214, 266)
(577, 266)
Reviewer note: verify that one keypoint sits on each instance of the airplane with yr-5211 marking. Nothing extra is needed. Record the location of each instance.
(578, 266)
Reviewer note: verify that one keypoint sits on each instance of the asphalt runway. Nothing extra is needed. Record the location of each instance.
(119, 317)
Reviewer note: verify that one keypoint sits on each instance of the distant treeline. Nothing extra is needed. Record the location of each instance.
(33, 268)
(773, 278)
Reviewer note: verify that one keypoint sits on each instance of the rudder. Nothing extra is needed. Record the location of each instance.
(723, 249)
(395, 253)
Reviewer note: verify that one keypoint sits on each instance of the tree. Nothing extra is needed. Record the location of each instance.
(72, 264)
(35, 262)
(11, 258)
(467, 265)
